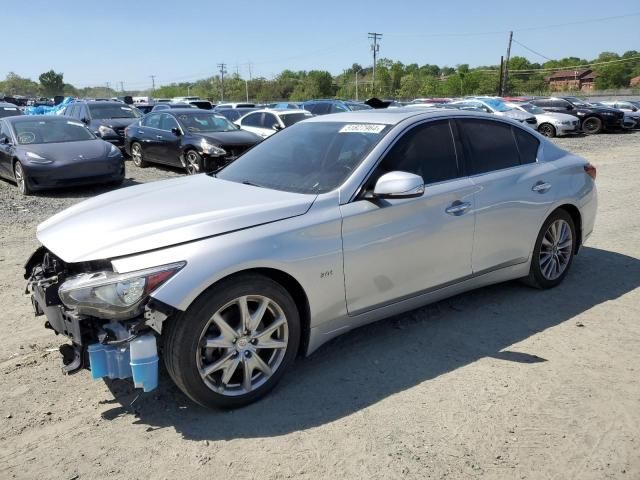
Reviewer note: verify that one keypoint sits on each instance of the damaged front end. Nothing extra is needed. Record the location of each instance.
(109, 317)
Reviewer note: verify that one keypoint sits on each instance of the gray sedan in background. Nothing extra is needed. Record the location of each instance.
(331, 224)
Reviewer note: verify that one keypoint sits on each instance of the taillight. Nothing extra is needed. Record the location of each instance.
(590, 170)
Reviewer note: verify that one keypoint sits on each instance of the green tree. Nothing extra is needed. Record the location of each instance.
(52, 83)
(14, 84)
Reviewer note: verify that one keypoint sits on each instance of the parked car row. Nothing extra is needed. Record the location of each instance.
(197, 139)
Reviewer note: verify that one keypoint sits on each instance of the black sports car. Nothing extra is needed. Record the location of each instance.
(40, 152)
(194, 139)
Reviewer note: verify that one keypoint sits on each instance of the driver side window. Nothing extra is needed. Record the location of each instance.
(427, 150)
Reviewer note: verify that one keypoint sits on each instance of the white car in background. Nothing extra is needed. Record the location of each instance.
(550, 124)
(268, 121)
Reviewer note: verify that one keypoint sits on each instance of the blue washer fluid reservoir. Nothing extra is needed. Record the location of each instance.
(144, 362)
(98, 360)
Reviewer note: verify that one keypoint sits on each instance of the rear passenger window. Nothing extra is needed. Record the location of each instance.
(426, 150)
(489, 146)
(253, 120)
(527, 146)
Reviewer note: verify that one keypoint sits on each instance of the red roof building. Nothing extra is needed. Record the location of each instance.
(576, 79)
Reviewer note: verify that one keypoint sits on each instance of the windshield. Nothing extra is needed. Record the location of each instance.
(51, 131)
(292, 118)
(497, 105)
(577, 102)
(109, 110)
(9, 111)
(358, 106)
(310, 157)
(206, 122)
(531, 108)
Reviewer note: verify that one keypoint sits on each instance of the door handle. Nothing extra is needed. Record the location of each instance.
(457, 208)
(541, 187)
(159, 137)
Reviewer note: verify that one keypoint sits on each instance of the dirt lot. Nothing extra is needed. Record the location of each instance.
(504, 382)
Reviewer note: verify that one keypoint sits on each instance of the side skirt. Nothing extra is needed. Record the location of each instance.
(325, 332)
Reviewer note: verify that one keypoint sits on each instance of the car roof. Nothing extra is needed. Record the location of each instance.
(390, 116)
(7, 104)
(195, 111)
(281, 111)
(26, 118)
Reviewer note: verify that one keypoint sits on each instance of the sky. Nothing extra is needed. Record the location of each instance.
(93, 43)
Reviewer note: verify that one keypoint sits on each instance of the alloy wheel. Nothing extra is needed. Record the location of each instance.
(556, 249)
(19, 176)
(547, 130)
(242, 345)
(136, 155)
(193, 163)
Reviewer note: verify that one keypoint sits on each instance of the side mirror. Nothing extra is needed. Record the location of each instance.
(4, 140)
(176, 131)
(569, 107)
(85, 121)
(276, 127)
(399, 185)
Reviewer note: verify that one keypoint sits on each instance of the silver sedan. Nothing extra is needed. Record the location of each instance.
(328, 225)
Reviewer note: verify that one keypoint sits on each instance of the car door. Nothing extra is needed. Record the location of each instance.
(6, 150)
(398, 248)
(147, 135)
(253, 123)
(167, 144)
(514, 191)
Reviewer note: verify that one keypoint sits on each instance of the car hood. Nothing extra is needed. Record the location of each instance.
(236, 137)
(66, 152)
(515, 114)
(554, 117)
(160, 214)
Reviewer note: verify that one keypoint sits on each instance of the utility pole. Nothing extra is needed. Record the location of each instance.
(501, 72)
(223, 70)
(375, 48)
(153, 83)
(357, 85)
(505, 84)
(121, 86)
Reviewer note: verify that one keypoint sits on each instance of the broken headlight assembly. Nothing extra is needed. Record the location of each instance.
(111, 295)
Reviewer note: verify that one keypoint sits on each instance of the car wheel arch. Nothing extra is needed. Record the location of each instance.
(576, 216)
(289, 283)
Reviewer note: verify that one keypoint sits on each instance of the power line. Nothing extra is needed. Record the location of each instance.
(533, 51)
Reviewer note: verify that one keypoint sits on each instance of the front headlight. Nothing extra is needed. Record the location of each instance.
(103, 131)
(582, 114)
(113, 151)
(211, 149)
(112, 295)
(35, 158)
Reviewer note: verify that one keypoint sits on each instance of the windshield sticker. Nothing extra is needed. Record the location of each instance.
(362, 128)
(10, 108)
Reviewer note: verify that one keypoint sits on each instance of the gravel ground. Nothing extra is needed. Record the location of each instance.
(502, 382)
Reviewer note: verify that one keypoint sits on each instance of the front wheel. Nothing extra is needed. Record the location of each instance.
(234, 343)
(547, 130)
(591, 125)
(553, 252)
(21, 179)
(193, 162)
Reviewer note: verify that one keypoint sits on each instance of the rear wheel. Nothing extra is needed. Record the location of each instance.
(193, 162)
(233, 344)
(591, 125)
(137, 157)
(553, 252)
(547, 130)
(21, 179)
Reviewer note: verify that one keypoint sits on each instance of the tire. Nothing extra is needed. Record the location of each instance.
(215, 319)
(137, 157)
(553, 249)
(22, 180)
(193, 162)
(592, 125)
(547, 130)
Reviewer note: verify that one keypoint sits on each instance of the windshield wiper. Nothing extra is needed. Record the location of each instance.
(247, 182)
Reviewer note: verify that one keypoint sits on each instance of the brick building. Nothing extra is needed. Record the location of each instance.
(577, 79)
